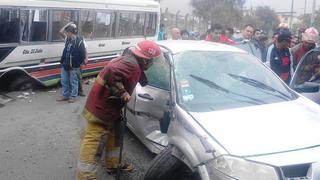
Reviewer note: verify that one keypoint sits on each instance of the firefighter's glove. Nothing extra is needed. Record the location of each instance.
(125, 97)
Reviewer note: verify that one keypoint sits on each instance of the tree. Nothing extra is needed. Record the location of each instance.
(316, 23)
(225, 12)
(262, 17)
(267, 18)
(305, 21)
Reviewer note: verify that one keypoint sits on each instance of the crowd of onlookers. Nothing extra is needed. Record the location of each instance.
(281, 52)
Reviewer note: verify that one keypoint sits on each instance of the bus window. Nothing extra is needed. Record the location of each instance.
(87, 20)
(125, 24)
(24, 21)
(38, 25)
(114, 25)
(103, 24)
(9, 23)
(138, 24)
(61, 18)
(151, 24)
(36, 30)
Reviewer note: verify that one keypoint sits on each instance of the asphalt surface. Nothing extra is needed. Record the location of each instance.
(40, 138)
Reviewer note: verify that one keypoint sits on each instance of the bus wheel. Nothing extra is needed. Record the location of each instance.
(20, 84)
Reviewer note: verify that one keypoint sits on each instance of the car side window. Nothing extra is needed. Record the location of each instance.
(309, 69)
(158, 74)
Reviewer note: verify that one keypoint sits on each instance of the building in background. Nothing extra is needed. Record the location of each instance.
(285, 17)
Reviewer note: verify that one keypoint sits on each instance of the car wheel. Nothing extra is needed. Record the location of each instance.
(167, 167)
(185, 173)
(163, 166)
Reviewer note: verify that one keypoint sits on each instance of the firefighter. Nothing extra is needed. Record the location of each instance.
(308, 42)
(118, 78)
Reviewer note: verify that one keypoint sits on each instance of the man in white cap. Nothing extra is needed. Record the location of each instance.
(308, 42)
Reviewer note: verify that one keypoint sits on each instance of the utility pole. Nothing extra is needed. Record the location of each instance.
(291, 18)
(305, 7)
(312, 13)
(177, 18)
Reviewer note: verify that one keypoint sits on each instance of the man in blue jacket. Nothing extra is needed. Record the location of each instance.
(281, 61)
(73, 56)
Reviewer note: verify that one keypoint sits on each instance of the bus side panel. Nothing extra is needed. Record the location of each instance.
(41, 60)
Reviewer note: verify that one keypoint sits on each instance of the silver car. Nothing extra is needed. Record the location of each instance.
(214, 112)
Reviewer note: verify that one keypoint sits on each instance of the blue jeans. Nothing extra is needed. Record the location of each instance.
(70, 82)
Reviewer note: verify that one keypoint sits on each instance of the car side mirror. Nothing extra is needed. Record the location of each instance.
(164, 122)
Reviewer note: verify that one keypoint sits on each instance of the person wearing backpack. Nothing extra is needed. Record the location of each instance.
(73, 56)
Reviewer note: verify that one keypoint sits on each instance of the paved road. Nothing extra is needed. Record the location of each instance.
(40, 139)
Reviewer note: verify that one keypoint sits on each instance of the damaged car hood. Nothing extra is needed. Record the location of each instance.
(264, 129)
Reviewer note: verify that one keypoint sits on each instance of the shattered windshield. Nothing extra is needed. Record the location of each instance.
(208, 81)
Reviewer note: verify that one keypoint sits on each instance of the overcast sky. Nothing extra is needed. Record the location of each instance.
(282, 5)
(277, 5)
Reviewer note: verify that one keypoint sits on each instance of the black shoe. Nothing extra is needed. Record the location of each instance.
(124, 167)
(62, 98)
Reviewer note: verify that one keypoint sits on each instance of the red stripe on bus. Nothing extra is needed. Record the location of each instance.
(39, 74)
(94, 65)
(46, 72)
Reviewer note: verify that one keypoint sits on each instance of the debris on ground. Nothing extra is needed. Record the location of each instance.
(22, 97)
(27, 96)
(4, 99)
(26, 93)
(89, 81)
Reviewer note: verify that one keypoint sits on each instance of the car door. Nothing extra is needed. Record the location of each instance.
(148, 106)
(306, 79)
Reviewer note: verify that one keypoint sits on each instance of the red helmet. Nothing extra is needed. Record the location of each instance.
(146, 50)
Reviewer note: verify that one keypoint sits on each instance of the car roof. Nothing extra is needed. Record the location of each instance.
(176, 46)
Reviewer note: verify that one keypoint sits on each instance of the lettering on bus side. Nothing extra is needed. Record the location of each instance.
(125, 42)
(102, 45)
(32, 51)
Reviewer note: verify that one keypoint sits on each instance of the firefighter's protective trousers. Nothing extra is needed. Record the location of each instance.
(98, 138)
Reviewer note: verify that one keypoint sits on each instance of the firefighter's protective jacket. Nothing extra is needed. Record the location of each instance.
(119, 76)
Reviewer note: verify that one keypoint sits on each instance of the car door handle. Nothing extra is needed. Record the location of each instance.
(146, 96)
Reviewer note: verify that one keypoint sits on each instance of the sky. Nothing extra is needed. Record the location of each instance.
(282, 5)
(277, 5)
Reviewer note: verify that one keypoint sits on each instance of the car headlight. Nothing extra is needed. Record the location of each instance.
(242, 169)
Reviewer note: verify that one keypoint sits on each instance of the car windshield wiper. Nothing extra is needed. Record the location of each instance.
(260, 85)
(216, 86)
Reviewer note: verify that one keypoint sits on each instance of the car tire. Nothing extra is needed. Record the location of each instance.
(163, 166)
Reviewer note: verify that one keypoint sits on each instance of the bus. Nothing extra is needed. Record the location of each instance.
(31, 47)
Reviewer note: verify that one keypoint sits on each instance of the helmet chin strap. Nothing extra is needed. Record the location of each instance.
(141, 61)
(144, 63)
